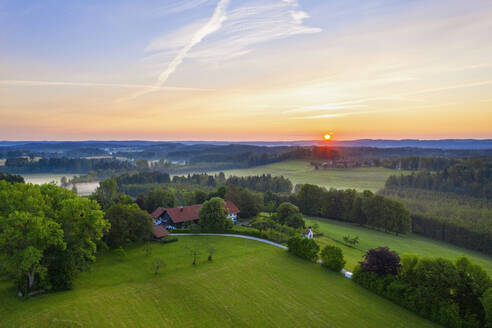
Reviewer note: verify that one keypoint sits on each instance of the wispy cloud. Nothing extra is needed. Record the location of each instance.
(183, 5)
(213, 25)
(452, 87)
(250, 24)
(30, 83)
(367, 112)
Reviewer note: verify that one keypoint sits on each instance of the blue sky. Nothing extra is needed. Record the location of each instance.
(251, 69)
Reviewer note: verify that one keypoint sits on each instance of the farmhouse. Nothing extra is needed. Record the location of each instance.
(171, 218)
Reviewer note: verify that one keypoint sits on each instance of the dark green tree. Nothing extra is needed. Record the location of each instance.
(332, 257)
(128, 224)
(213, 216)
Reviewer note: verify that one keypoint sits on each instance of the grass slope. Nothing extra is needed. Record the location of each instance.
(248, 284)
(410, 243)
(300, 172)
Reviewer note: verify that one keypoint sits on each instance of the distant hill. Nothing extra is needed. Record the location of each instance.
(375, 143)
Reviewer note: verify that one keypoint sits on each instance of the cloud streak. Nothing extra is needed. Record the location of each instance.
(31, 83)
(249, 24)
(213, 25)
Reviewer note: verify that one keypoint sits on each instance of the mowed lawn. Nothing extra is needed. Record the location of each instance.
(248, 284)
(334, 231)
(300, 172)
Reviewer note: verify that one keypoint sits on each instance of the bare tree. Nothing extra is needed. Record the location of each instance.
(211, 251)
(148, 248)
(195, 252)
(158, 264)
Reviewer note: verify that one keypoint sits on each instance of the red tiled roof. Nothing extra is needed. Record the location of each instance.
(158, 212)
(190, 213)
(231, 207)
(185, 213)
(160, 232)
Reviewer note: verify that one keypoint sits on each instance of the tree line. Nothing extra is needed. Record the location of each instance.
(471, 178)
(151, 179)
(14, 178)
(72, 165)
(415, 163)
(364, 208)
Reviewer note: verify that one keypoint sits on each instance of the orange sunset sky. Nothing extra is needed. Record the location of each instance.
(245, 70)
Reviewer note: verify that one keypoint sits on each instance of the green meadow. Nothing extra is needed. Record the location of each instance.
(299, 172)
(334, 231)
(248, 284)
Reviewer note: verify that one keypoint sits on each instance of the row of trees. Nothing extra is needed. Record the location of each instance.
(453, 232)
(14, 178)
(348, 205)
(416, 163)
(453, 294)
(62, 165)
(140, 182)
(471, 178)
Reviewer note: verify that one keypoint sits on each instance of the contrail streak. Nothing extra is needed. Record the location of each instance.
(213, 25)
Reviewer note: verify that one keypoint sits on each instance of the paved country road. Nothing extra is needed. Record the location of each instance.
(346, 273)
(231, 235)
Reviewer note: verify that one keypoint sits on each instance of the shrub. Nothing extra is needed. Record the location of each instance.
(304, 248)
(168, 239)
(381, 261)
(120, 253)
(289, 215)
(486, 300)
(351, 240)
(332, 257)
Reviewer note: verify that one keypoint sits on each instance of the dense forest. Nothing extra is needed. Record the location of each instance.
(460, 220)
(470, 178)
(453, 204)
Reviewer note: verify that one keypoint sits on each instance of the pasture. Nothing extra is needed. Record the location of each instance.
(248, 284)
(300, 172)
(334, 231)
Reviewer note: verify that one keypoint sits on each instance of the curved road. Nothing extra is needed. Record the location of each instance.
(346, 273)
(231, 235)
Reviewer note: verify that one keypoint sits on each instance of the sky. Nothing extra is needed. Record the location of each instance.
(245, 69)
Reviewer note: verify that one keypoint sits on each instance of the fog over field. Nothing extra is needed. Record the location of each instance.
(83, 189)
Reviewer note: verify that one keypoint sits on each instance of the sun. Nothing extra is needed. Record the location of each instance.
(327, 136)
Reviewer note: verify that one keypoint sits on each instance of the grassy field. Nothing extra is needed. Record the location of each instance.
(372, 178)
(249, 284)
(334, 231)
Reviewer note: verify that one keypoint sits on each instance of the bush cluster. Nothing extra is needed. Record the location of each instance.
(332, 257)
(304, 248)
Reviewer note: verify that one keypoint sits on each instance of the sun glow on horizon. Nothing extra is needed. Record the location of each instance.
(327, 136)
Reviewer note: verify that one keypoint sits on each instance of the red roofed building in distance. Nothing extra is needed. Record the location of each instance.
(160, 231)
(171, 218)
